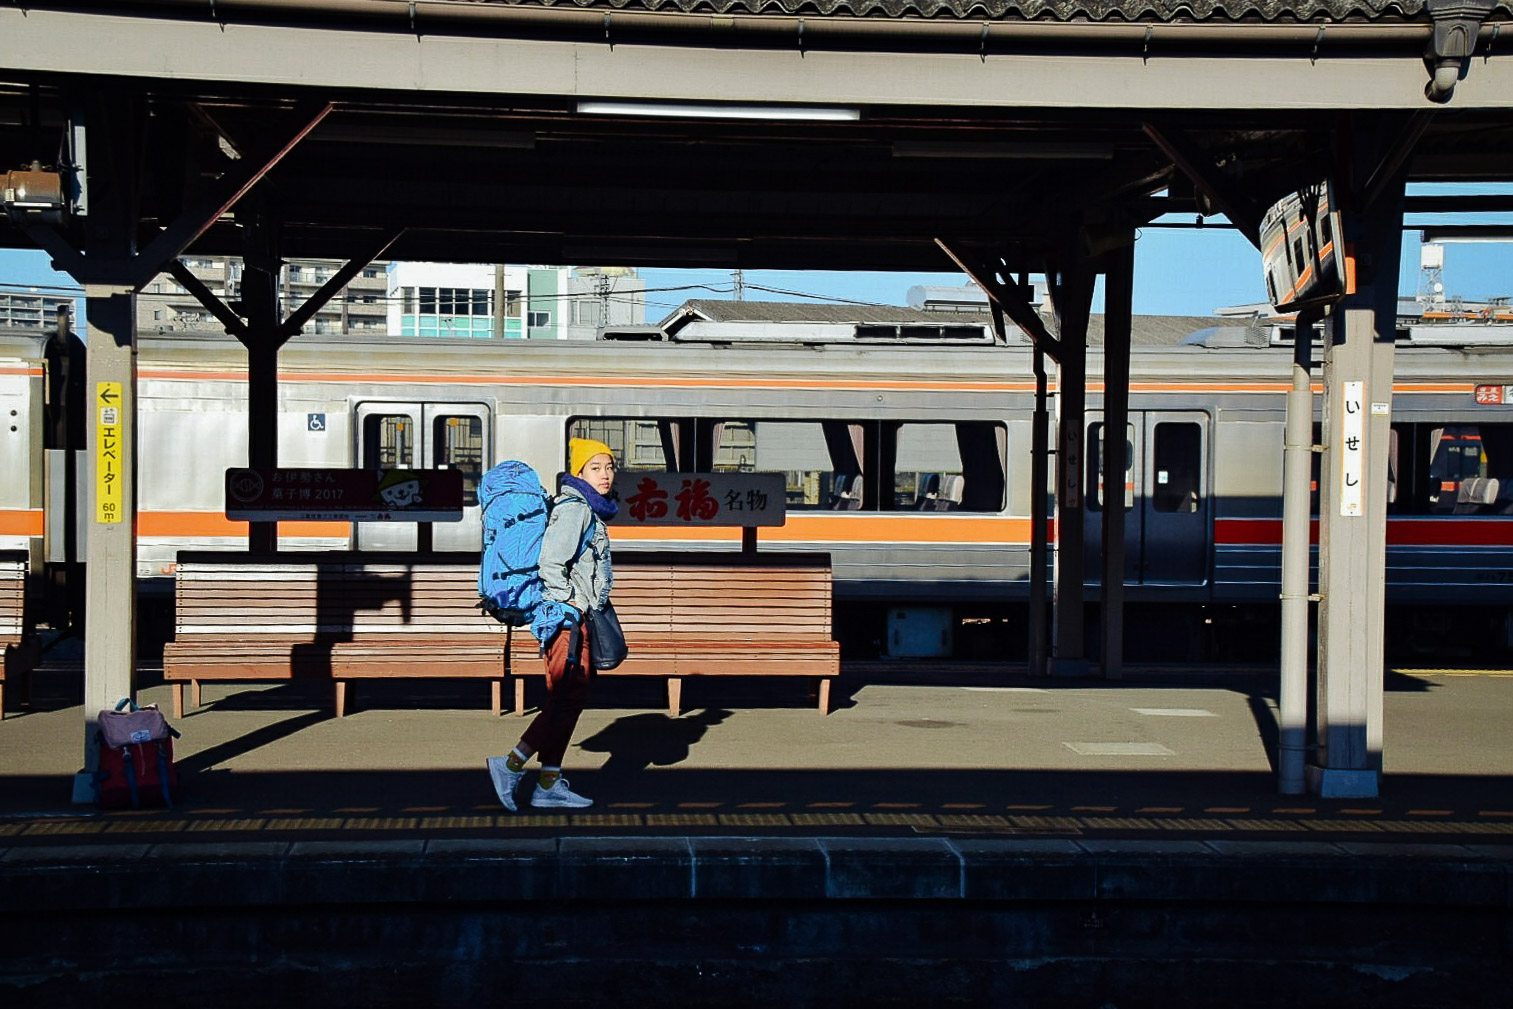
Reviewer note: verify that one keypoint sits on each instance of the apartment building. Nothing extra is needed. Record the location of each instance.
(165, 306)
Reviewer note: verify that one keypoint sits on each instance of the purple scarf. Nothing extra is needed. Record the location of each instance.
(602, 506)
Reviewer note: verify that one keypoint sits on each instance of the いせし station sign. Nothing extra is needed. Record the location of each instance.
(701, 499)
(344, 495)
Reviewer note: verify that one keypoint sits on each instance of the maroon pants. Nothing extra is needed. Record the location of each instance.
(566, 696)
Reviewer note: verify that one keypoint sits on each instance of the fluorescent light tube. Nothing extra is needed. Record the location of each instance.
(613, 108)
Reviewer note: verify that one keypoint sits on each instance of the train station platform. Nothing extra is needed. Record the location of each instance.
(1073, 841)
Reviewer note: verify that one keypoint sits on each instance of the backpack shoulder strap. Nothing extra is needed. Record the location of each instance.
(588, 526)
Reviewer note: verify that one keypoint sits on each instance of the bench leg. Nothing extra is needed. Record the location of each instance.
(496, 689)
(2, 698)
(341, 698)
(178, 700)
(824, 695)
(674, 696)
(520, 696)
(195, 698)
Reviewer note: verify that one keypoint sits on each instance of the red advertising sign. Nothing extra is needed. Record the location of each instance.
(1494, 395)
(344, 495)
(701, 499)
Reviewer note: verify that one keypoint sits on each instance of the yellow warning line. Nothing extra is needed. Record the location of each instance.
(944, 818)
(1430, 673)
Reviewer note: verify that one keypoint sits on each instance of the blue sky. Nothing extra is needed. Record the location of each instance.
(1177, 272)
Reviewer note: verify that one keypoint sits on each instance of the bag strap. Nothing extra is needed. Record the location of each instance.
(588, 531)
(131, 777)
(574, 642)
(163, 776)
(125, 702)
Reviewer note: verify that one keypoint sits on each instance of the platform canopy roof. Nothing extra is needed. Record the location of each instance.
(821, 134)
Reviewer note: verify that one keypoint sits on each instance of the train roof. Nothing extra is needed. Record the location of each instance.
(712, 321)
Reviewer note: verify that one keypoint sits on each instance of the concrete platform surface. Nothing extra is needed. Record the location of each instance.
(948, 836)
(911, 750)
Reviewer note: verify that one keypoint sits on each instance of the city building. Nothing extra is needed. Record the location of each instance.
(165, 306)
(481, 300)
(31, 309)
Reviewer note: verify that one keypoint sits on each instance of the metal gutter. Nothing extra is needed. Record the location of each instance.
(615, 26)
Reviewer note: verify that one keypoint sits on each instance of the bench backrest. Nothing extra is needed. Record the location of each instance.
(335, 598)
(343, 593)
(12, 594)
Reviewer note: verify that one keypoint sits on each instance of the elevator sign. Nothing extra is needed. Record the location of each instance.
(110, 433)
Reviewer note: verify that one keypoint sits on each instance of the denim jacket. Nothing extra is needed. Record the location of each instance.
(567, 577)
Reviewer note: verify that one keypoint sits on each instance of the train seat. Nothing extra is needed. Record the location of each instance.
(1476, 495)
(846, 492)
(951, 487)
(928, 493)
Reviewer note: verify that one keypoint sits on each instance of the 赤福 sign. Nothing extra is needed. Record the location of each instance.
(344, 495)
(701, 499)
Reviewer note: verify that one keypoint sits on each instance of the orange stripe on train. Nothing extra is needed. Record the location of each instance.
(21, 522)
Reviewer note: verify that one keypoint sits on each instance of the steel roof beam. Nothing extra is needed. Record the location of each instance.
(1208, 178)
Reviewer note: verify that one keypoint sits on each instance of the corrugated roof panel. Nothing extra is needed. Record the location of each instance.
(1159, 11)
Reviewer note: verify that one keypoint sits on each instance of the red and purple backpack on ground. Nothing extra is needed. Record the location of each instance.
(135, 748)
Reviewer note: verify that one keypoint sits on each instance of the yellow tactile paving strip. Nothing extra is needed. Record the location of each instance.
(773, 817)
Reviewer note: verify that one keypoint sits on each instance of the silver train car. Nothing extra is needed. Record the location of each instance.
(909, 464)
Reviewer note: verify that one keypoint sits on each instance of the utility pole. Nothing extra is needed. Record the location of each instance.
(739, 280)
(602, 287)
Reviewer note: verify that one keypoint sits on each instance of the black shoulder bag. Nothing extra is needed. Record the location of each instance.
(606, 641)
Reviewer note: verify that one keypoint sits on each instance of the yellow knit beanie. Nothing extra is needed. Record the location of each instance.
(581, 450)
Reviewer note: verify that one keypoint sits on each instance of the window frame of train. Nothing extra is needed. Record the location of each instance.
(1459, 466)
(844, 465)
(1168, 515)
(428, 426)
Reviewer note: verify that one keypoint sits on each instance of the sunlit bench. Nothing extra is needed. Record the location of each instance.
(348, 616)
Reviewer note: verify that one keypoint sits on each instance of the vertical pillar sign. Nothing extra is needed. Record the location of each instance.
(109, 506)
(1352, 454)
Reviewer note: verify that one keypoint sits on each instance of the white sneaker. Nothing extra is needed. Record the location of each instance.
(559, 796)
(505, 781)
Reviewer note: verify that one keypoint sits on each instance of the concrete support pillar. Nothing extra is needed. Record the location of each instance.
(1358, 366)
(260, 305)
(111, 552)
(1352, 569)
(1118, 297)
(1074, 296)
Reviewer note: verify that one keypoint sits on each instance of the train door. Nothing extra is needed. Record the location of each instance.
(1175, 506)
(1166, 519)
(425, 436)
(1098, 485)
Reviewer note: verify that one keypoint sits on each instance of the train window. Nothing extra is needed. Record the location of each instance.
(639, 444)
(458, 445)
(823, 461)
(925, 465)
(1470, 470)
(948, 467)
(1094, 491)
(1178, 466)
(733, 445)
(388, 441)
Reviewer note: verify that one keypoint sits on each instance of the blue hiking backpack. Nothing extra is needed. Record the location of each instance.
(515, 512)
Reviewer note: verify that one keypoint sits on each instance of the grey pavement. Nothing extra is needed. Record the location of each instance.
(912, 749)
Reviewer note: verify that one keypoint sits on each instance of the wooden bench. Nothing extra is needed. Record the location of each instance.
(715, 614)
(347, 616)
(336, 616)
(17, 654)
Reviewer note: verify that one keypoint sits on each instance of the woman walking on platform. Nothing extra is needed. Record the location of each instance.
(576, 574)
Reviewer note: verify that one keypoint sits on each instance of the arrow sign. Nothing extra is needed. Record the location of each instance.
(109, 392)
